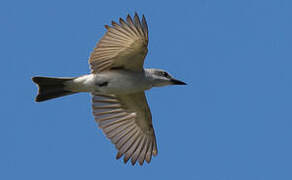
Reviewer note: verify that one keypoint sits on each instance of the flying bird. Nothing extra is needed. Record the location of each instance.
(117, 83)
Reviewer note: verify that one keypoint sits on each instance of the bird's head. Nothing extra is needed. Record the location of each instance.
(159, 77)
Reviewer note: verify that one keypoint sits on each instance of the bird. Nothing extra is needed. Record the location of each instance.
(117, 83)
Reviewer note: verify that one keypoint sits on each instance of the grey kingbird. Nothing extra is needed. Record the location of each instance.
(117, 83)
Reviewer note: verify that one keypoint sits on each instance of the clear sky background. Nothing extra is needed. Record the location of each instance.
(232, 122)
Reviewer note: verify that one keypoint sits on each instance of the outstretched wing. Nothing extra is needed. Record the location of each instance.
(123, 46)
(126, 120)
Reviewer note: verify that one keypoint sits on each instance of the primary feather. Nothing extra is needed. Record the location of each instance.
(123, 46)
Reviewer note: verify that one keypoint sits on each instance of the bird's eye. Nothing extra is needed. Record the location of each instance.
(165, 74)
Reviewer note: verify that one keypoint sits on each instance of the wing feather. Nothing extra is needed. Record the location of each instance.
(130, 148)
(142, 155)
(123, 132)
(120, 132)
(149, 153)
(145, 26)
(123, 45)
(126, 120)
(138, 150)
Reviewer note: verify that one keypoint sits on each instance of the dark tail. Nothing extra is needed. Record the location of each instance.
(50, 88)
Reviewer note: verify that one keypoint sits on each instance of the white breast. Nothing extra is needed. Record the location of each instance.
(110, 82)
(121, 82)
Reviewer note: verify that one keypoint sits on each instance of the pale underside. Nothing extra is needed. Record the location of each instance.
(125, 119)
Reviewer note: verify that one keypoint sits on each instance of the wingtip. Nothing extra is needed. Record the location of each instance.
(107, 27)
(148, 160)
(114, 23)
(121, 20)
(144, 19)
(129, 19)
(126, 159)
(119, 155)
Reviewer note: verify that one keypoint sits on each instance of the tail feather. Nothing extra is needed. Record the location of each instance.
(50, 88)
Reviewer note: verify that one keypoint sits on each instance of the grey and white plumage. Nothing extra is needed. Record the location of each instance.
(117, 83)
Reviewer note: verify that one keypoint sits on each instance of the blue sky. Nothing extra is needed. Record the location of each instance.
(232, 121)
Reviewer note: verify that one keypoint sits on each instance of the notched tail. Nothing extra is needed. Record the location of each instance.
(50, 88)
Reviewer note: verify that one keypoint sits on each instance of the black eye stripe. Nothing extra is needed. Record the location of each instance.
(165, 74)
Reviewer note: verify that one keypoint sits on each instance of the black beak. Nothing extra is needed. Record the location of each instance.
(177, 82)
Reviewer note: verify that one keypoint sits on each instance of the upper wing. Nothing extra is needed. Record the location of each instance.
(126, 120)
(123, 46)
